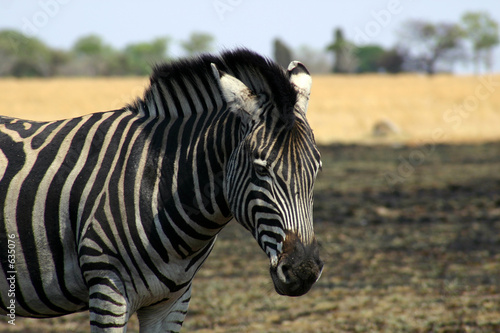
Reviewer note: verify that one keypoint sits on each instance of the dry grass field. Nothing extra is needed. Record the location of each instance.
(425, 109)
(409, 232)
(442, 108)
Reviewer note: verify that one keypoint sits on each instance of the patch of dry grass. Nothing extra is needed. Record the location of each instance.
(58, 98)
(428, 109)
(341, 109)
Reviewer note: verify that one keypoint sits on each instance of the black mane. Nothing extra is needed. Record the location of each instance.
(261, 75)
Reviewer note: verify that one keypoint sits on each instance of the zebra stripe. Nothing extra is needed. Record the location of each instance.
(115, 212)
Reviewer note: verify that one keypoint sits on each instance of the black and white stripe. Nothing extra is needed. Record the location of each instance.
(116, 211)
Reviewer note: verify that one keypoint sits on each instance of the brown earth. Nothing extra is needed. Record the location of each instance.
(410, 245)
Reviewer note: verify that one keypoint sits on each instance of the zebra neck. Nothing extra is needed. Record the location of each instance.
(193, 140)
(182, 97)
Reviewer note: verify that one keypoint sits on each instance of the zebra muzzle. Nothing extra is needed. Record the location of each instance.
(297, 269)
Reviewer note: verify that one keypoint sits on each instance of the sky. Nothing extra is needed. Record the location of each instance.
(234, 23)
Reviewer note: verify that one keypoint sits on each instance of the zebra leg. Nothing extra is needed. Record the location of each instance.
(109, 311)
(160, 318)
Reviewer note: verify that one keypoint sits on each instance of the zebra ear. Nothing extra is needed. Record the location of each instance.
(299, 76)
(239, 97)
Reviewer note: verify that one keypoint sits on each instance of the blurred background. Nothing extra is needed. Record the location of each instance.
(64, 37)
(405, 107)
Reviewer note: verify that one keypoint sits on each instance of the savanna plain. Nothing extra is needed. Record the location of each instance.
(407, 209)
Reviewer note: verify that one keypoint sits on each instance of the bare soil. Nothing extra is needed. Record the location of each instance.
(410, 236)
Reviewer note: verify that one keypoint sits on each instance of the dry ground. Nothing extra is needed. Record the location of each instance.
(422, 255)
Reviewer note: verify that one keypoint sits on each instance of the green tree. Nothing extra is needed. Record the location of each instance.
(198, 42)
(23, 56)
(58, 59)
(433, 43)
(482, 31)
(91, 45)
(369, 57)
(392, 61)
(344, 53)
(141, 57)
(92, 56)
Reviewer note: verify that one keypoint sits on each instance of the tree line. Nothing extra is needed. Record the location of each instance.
(422, 46)
(24, 56)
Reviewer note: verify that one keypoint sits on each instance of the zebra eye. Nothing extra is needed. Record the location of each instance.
(261, 170)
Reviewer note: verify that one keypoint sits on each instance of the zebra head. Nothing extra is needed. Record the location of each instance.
(271, 173)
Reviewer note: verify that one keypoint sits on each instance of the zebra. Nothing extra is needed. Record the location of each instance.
(114, 212)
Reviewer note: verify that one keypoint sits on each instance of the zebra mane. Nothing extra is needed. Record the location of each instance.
(260, 74)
